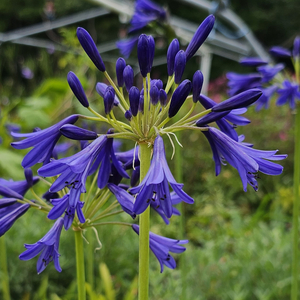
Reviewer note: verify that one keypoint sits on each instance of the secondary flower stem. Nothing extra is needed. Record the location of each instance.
(80, 266)
(294, 293)
(143, 283)
(4, 271)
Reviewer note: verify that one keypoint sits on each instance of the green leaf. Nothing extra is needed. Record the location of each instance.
(107, 281)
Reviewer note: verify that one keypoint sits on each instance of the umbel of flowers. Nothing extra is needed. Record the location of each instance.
(81, 184)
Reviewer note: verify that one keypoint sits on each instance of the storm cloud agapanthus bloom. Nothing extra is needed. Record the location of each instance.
(156, 183)
(289, 93)
(248, 161)
(161, 246)
(42, 141)
(47, 246)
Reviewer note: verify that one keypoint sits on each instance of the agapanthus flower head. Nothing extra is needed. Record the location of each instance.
(289, 93)
(248, 161)
(172, 51)
(126, 46)
(197, 85)
(253, 61)
(241, 82)
(42, 141)
(120, 66)
(10, 213)
(179, 66)
(296, 48)
(156, 183)
(90, 48)
(47, 247)
(77, 89)
(200, 36)
(179, 96)
(76, 133)
(161, 246)
(280, 51)
(128, 75)
(269, 72)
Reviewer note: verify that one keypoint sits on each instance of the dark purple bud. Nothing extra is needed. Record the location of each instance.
(159, 84)
(154, 94)
(151, 44)
(280, 52)
(253, 62)
(128, 115)
(135, 176)
(197, 85)
(128, 77)
(101, 88)
(143, 54)
(172, 51)
(163, 97)
(296, 49)
(90, 48)
(179, 97)
(76, 133)
(211, 117)
(179, 66)
(109, 97)
(134, 98)
(141, 104)
(200, 36)
(241, 100)
(120, 66)
(29, 177)
(77, 89)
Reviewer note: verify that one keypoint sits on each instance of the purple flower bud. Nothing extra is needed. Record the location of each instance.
(280, 52)
(253, 62)
(29, 177)
(179, 65)
(296, 49)
(179, 97)
(109, 97)
(172, 51)
(159, 84)
(154, 94)
(163, 97)
(128, 115)
(120, 66)
(143, 54)
(77, 89)
(151, 44)
(134, 98)
(200, 36)
(101, 87)
(197, 85)
(128, 77)
(141, 104)
(90, 48)
(76, 133)
(238, 101)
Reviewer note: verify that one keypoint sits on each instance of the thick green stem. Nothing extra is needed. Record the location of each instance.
(80, 266)
(294, 294)
(4, 271)
(143, 289)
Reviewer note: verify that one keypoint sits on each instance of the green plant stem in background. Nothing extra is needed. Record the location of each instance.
(80, 266)
(90, 258)
(295, 262)
(4, 271)
(143, 288)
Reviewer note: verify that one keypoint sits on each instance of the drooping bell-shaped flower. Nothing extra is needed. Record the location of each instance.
(161, 246)
(126, 46)
(289, 93)
(264, 100)
(269, 72)
(156, 182)
(280, 51)
(47, 247)
(172, 51)
(42, 141)
(77, 89)
(200, 36)
(90, 48)
(253, 61)
(179, 66)
(120, 66)
(179, 97)
(247, 160)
